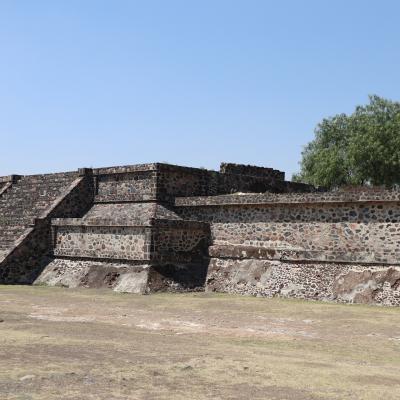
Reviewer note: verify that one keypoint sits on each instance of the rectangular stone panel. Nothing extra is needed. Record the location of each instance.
(123, 243)
(140, 185)
(379, 242)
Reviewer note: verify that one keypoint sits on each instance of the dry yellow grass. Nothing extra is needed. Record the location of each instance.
(88, 344)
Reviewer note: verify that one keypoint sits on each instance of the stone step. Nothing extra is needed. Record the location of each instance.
(26, 200)
(45, 181)
(9, 234)
(33, 193)
(21, 212)
(5, 229)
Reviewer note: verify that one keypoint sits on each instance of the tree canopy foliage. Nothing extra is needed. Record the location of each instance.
(358, 149)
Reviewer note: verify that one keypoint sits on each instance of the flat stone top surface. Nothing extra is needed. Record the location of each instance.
(160, 166)
(147, 167)
(127, 214)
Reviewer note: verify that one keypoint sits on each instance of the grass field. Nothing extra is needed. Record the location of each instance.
(88, 344)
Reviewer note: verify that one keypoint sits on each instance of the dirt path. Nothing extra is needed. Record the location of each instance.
(85, 344)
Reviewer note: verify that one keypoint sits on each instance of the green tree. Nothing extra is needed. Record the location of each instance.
(358, 149)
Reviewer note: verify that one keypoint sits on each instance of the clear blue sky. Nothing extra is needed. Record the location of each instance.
(101, 83)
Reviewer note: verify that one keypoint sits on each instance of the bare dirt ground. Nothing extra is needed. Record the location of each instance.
(92, 344)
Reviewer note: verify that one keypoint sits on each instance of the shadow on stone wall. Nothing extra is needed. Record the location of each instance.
(176, 277)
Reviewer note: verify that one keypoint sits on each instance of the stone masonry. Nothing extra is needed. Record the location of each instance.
(243, 229)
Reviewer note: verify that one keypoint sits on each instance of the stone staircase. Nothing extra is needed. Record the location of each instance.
(26, 200)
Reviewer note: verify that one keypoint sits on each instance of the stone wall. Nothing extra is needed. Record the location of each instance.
(130, 221)
(347, 283)
(155, 240)
(135, 185)
(164, 182)
(368, 195)
(244, 229)
(6, 182)
(3, 187)
(28, 257)
(307, 212)
(31, 252)
(252, 170)
(122, 276)
(176, 181)
(370, 241)
(365, 228)
(110, 242)
(180, 241)
(342, 246)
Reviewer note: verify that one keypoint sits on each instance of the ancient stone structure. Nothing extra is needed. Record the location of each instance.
(244, 229)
